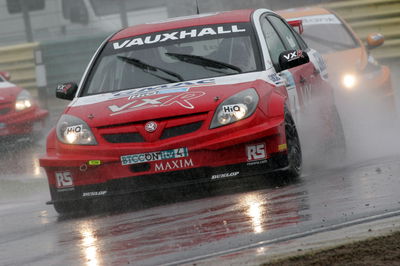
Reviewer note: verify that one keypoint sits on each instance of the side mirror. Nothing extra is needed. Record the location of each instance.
(6, 75)
(375, 40)
(66, 91)
(292, 58)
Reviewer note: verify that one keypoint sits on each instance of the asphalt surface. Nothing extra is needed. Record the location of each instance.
(183, 227)
(215, 225)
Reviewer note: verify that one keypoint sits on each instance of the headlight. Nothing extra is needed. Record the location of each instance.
(73, 130)
(235, 108)
(24, 101)
(349, 81)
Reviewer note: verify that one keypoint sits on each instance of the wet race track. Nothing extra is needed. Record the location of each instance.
(220, 223)
(180, 227)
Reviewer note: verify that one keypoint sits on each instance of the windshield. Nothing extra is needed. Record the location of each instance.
(326, 34)
(169, 57)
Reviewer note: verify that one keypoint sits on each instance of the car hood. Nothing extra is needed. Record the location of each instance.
(8, 92)
(158, 102)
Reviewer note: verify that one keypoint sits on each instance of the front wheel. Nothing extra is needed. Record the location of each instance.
(293, 145)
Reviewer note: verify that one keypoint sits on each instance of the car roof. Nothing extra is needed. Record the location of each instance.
(302, 12)
(182, 22)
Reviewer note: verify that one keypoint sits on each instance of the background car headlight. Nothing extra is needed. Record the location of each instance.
(349, 81)
(73, 130)
(24, 101)
(235, 108)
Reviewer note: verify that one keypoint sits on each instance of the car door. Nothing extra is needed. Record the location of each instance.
(299, 80)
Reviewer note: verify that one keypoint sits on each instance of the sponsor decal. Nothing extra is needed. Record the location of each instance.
(274, 78)
(156, 92)
(282, 147)
(173, 165)
(64, 179)
(154, 156)
(319, 19)
(233, 108)
(150, 126)
(293, 55)
(177, 35)
(94, 193)
(74, 129)
(255, 152)
(182, 99)
(257, 162)
(219, 176)
(63, 88)
(164, 89)
(94, 162)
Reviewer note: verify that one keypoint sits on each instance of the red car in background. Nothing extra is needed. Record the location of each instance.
(20, 115)
(187, 101)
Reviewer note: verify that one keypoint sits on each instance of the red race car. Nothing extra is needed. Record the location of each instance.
(20, 116)
(186, 101)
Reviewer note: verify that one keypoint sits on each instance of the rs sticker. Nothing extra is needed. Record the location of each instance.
(256, 152)
(64, 179)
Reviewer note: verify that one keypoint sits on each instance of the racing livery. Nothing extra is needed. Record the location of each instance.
(20, 116)
(186, 101)
(352, 69)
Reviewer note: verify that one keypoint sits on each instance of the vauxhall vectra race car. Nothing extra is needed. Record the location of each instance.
(20, 115)
(186, 101)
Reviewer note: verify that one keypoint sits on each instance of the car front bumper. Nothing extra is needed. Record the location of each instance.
(374, 88)
(15, 124)
(85, 174)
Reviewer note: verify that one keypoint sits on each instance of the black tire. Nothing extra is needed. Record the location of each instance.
(294, 156)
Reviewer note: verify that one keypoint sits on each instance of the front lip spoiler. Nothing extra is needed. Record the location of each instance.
(276, 163)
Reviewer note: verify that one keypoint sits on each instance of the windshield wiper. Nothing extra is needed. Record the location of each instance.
(151, 69)
(202, 61)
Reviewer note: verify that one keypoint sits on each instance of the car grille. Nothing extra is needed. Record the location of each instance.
(4, 108)
(180, 130)
(182, 125)
(133, 137)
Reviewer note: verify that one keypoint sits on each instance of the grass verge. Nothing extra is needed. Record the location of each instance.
(382, 250)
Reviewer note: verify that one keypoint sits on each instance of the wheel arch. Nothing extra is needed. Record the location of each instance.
(276, 105)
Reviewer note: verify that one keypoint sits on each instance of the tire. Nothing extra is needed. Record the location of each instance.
(294, 156)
